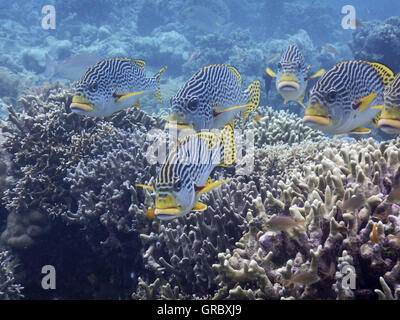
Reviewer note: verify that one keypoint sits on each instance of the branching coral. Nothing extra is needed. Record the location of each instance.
(9, 288)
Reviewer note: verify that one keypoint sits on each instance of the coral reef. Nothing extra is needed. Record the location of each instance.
(378, 41)
(9, 288)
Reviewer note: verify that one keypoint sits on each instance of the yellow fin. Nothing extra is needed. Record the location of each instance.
(157, 94)
(254, 94)
(198, 206)
(150, 213)
(140, 63)
(270, 73)
(285, 101)
(386, 74)
(227, 138)
(300, 100)
(366, 102)
(231, 108)
(145, 186)
(361, 130)
(128, 95)
(316, 75)
(138, 104)
(237, 74)
(378, 107)
(209, 187)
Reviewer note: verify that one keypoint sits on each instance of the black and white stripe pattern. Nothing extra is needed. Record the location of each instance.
(292, 61)
(392, 94)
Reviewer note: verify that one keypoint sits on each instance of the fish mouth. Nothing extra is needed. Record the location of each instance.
(168, 213)
(81, 104)
(316, 116)
(390, 126)
(288, 86)
(315, 121)
(176, 122)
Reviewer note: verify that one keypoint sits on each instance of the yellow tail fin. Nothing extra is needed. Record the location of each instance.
(227, 138)
(158, 76)
(254, 95)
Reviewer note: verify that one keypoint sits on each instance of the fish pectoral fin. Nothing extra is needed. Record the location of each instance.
(209, 187)
(365, 102)
(300, 100)
(285, 101)
(119, 97)
(316, 75)
(217, 113)
(270, 73)
(378, 107)
(145, 186)
(198, 206)
(361, 130)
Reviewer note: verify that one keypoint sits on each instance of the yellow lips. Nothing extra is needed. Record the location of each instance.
(389, 121)
(315, 113)
(176, 122)
(81, 103)
(288, 80)
(167, 206)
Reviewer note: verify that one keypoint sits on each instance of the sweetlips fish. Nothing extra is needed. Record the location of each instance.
(390, 117)
(185, 175)
(345, 98)
(114, 84)
(211, 98)
(292, 76)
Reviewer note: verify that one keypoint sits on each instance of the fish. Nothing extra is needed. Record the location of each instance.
(185, 175)
(113, 84)
(330, 49)
(330, 273)
(302, 278)
(202, 18)
(375, 236)
(292, 76)
(211, 98)
(394, 195)
(353, 203)
(357, 23)
(273, 59)
(194, 55)
(343, 99)
(280, 223)
(71, 68)
(389, 121)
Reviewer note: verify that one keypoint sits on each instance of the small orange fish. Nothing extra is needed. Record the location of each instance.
(353, 203)
(257, 118)
(330, 273)
(304, 278)
(375, 236)
(150, 213)
(330, 49)
(280, 223)
(357, 23)
(194, 55)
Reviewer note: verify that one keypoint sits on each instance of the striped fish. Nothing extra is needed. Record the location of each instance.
(342, 100)
(113, 84)
(211, 98)
(185, 175)
(292, 76)
(390, 117)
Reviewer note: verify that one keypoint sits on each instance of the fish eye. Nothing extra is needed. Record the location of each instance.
(192, 104)
(93, 87)
(178, 184)
(332, 96)
(298, 65)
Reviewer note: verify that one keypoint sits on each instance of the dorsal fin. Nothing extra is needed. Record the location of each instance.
(237, 74)
(227, 138)
(386, 74)
(140, 63)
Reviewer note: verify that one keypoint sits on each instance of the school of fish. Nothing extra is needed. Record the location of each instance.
(347, 99)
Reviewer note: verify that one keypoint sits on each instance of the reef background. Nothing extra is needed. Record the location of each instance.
(67, 183)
